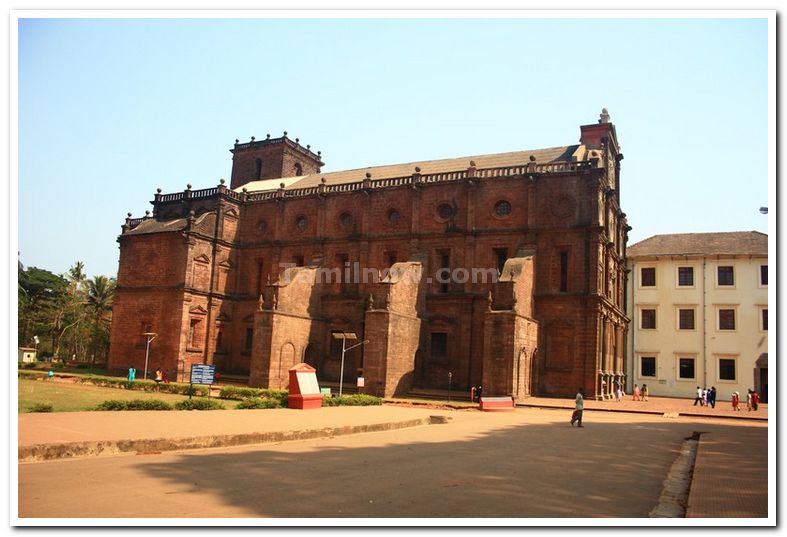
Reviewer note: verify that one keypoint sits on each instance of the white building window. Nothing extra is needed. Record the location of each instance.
(726, 318)
(728, 368)
(763, 275)
(764, 319)
(686, 277)
(647, 318)
(687, 368)
(647, 277)
(725, 276)
(647, 367)
(686, 318)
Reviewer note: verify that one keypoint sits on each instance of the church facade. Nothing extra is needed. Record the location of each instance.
(504, 270)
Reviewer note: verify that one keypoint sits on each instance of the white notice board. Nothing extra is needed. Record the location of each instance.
(308, 382)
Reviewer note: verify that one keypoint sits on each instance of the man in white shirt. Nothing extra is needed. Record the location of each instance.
(698, 399)
(580, 405)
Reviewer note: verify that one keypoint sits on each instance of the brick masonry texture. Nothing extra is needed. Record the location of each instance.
(194, 273)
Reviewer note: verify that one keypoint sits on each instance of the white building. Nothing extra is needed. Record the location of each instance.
(699, 314)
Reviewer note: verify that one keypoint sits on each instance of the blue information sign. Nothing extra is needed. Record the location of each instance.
(202, 373)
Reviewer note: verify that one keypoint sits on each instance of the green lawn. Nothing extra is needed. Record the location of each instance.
(79, 397)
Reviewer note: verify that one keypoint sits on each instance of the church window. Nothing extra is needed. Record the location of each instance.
(249, 339)
(346, 220)
(501, 255)
(563, 271)
(502, 208)
(258, 168)
(445, 212)
(439, 344)
(393, 216)
(301, 222)
(298, 168)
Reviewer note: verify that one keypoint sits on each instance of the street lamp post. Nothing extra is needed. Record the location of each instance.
(150, 336)
(344, 336)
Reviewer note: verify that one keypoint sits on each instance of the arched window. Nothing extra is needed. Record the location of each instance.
(258, 168)
(298, 169)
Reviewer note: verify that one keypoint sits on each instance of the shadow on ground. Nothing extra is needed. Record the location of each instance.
(609, 468)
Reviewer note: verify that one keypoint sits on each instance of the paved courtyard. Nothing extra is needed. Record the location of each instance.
(521, 464)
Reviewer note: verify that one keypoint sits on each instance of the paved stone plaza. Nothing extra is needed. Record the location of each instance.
(526, 463)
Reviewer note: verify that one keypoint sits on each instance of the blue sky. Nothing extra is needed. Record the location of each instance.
(111, 109)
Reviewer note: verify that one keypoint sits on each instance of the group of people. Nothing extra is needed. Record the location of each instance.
(161, 376)
(752, 400)
(706, 397)
(637, 394)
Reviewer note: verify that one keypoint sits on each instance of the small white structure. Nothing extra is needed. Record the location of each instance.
(27, 355)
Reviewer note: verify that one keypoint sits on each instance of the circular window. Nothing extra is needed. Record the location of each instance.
(346, 219)
(445, 211)
(262, 225)
(502, 208)
(301, 223)
(393, 216)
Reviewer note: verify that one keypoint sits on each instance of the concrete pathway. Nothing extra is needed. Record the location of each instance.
(76, 434)
(525, 463)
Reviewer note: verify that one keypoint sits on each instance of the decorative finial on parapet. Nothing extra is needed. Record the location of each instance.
(323, 180)
(297, 140)
(253, 138)
(147, 214)
(268, 136)
(604, 116)
(319, 153)
(489, 299)
(237, 141)
(261, 303)
(244, 190)
(128, 215)
(472, 163)
(368, 175)
(532, 158)
(281, 185)
(308, 146)
(371, 302)
(158, 191)
(222, 181)
(417, 169)
(285, 134)
(188, 186)
(275, 301)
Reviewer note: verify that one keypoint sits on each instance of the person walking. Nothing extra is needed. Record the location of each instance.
(713, 396)
(644, 392)
(706, 396)
(736, 399)
(755, 400)
(132, 374)
(698, 398)
(635, 393)
(748, 400)
(618, 392)
(579, 405)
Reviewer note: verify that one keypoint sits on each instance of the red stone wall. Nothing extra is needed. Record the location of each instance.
(550, 214)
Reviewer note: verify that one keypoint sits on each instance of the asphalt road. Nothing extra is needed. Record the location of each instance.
(525, 463)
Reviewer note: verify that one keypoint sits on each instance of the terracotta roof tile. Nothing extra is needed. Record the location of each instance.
(730, 243)
(515, 158)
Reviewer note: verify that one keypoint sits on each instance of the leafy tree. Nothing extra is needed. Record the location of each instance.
(41, 294)
(74, 311)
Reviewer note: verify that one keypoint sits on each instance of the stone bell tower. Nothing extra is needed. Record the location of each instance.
(271, 158)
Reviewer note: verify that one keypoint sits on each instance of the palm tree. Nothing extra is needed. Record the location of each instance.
(100, 291)
(76, 275)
